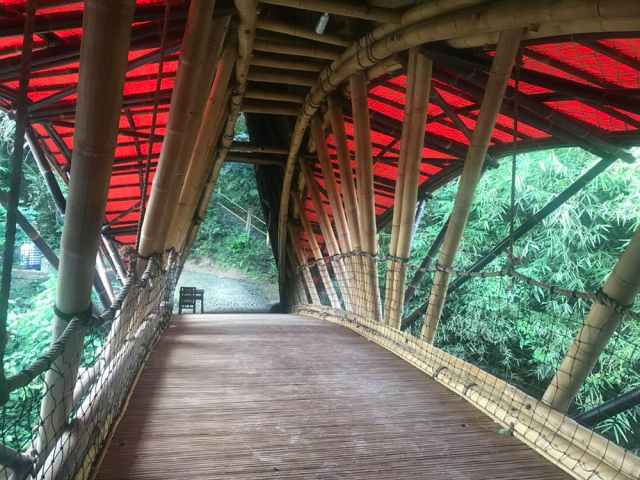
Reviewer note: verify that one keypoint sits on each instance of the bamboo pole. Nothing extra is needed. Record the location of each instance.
(342, 8)
(318, 52)
(337, 208)
(289, 28)
(347, 186)
(107, 30)
(281, 78)
(270, 108)
(303, 266)
(207, 138)
(284, 63)
(320, 260)
(497, 82)
(276, 96)
(432, 22)
(165, 189)
(621, 287)
(116, 259)
(366, 200)
(412, 143)
(330, 241)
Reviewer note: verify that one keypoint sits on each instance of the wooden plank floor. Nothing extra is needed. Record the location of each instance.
(284, 397)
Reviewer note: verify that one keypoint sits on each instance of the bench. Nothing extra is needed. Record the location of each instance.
(189, 296)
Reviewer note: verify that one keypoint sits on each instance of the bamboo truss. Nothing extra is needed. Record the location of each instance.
(503, 62)
(432, 22)
(302, 264)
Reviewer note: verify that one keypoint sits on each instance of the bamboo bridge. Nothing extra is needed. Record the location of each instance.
(357, 112)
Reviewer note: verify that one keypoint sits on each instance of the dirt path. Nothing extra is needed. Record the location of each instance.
(227, 291)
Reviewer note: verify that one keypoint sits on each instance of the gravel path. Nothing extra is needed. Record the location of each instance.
(227, 293)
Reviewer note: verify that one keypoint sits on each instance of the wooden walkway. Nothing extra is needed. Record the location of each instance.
(284, 397)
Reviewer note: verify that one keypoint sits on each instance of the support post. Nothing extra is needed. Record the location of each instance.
(107, 30)
(327, 283)
(366, 200)
(328, 234)
(506, 52)
(173, 157)
(406, 194)
(602, 320)
(294, 238)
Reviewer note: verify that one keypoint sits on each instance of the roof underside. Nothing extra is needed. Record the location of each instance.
(583, 90)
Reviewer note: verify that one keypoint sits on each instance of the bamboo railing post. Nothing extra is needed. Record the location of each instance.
(106, 34)
(621, 287)
(303, 266)
(366, 200)
(337, 207)
(501, 67)
(166, 187)
(333, 248)
(347, 187)
(406, 197)
(320, 260)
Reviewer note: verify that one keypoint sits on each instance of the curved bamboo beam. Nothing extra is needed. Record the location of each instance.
(165, 189)
(207, 138)
(431, 22)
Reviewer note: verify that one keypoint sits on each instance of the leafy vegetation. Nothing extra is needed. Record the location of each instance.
(520, 332)
(222, 238)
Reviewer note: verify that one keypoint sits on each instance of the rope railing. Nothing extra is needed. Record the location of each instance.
(472, 355)
(116, 345)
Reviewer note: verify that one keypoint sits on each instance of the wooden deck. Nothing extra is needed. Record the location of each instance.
(283, 397)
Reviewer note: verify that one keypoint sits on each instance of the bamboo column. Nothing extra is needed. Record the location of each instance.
(303, 266)
(503, 62)
(208, 136)
(333, 248)
(347, 187)
(319, 258)
(166, 188)
(406, 194)
(621, 287)
(107, 30)
(366, 194)
(337, 208)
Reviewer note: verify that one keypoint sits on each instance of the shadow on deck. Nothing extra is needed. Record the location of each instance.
(281, 396)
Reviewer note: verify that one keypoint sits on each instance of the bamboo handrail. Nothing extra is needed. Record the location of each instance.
(577, 450)
(107, 30)
(503, 62)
